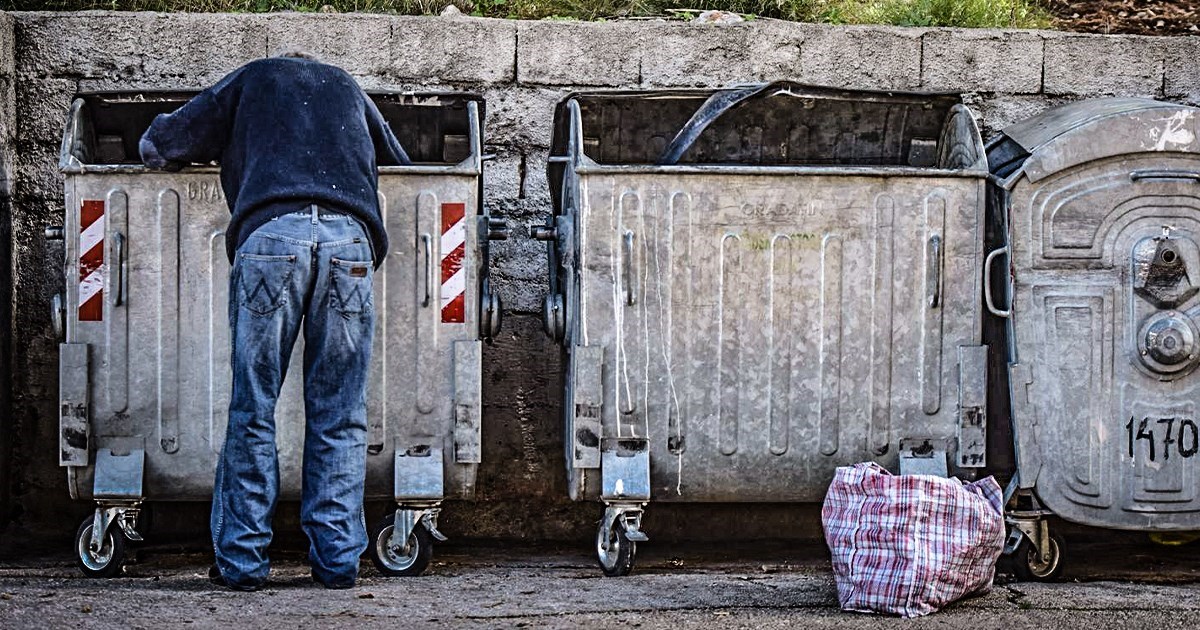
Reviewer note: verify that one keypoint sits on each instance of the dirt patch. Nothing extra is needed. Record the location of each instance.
(1139, 17)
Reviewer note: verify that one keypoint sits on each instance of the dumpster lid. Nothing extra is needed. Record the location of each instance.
(771, 126)
(104, 127)
(1076, 133)
(815, 126)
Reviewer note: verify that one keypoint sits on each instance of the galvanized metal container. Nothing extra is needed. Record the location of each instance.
(145, 360)
(757, 285)
(1102, 210)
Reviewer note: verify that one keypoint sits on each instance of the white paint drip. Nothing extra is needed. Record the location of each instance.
(618, 307)
(642, 241)
(665, 315)
(584, 206)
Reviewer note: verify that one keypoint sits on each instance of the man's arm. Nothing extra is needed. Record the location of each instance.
(388, 151)
(196, 132)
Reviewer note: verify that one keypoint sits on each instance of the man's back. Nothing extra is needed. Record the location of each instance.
(287, 132)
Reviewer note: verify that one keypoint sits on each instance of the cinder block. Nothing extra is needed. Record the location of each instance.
(35, 173)
(7, 44)
(997, 112)
(536, 187)
(982, 60)
(8, 113)
(579, 53)
(1104, 65)
(521, 116)
(519, 268)
(455, 50)
(717, 55)
(41, 110)
(862, 57)
(502, 175)
(1182, 67)
(359, 44)
(190, 50)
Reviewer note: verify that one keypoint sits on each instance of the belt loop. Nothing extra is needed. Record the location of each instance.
(313, 209)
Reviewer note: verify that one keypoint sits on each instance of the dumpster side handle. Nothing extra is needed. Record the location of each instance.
(119, 257)
(427, 244)
(1164, 174)
(934, 271)
(987, 284)
(630, 277)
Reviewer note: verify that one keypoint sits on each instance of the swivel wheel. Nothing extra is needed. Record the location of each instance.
(403, 560)
(1030, 566)
(105, 562)
(614, 550)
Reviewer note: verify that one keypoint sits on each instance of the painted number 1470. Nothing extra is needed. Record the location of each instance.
(1162, 436)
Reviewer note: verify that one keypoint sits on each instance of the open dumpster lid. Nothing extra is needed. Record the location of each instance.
(779, 125)
(104, 127)
(1089, 130)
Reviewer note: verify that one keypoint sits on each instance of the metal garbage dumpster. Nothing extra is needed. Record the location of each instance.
(1101, 208)
(754, 286)
(144, 373)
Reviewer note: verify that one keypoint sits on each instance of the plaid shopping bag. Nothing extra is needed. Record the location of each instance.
(910, 544)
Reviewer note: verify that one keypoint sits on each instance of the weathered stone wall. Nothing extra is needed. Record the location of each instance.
(523, 69)
(7, 134)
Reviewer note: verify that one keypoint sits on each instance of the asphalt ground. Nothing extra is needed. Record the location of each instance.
(1127, 583)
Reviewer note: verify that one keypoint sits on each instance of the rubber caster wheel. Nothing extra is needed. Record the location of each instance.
(395, 561)
(1030, 568)
(614, 551)
(108, 561)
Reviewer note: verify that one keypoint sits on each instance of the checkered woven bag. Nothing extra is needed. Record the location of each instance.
(910, 544)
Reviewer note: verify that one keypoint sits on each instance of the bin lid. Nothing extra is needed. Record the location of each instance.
(104, 127)
(1076, 133)
(766, 124)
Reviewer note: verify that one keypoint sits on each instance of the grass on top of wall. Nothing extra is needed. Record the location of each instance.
(964, 13)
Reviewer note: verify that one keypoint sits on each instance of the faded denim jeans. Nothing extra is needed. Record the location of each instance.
(313, 271)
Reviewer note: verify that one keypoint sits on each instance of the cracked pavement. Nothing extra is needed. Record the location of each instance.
(761, 586)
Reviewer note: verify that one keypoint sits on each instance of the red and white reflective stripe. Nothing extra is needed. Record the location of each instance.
(91, 261)
(454, 248)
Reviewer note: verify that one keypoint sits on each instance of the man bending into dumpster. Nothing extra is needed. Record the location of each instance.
(298, 143)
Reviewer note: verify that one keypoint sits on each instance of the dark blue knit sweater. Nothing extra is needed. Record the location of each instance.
(287, 133)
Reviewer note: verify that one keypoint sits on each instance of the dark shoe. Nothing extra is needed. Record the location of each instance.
(337, 586)
(214, 576)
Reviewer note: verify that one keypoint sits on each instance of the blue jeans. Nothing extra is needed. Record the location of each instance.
(313, 269)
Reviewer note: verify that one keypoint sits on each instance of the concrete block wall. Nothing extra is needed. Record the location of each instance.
(7, 136)
(523, 69)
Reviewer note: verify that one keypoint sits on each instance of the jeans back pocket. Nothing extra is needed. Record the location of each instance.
(264, 281)
(350, 282)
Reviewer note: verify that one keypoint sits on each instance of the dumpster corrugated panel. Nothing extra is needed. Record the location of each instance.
(742, 344)
(791, 297)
